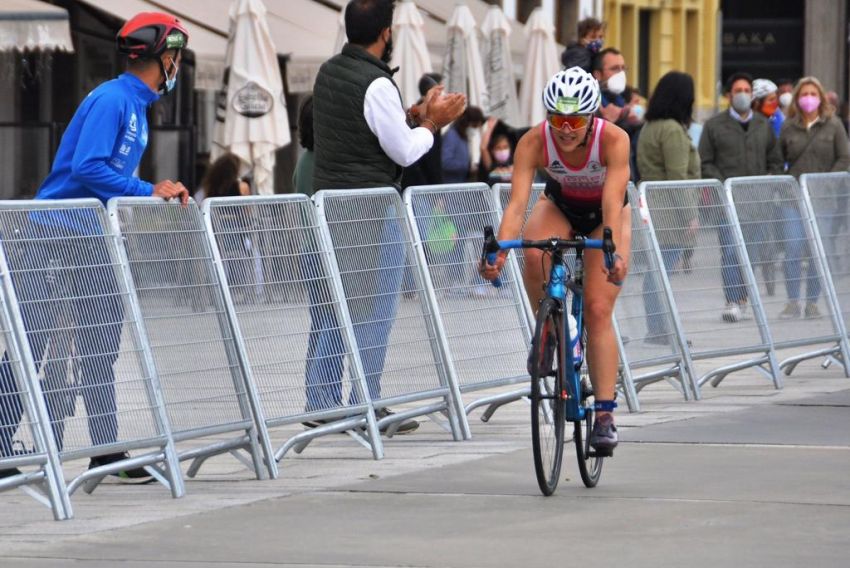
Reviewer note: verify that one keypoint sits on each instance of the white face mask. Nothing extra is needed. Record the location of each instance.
(617, 83)
(785, 99)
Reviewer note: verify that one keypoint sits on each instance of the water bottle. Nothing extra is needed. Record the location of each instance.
(575, 345)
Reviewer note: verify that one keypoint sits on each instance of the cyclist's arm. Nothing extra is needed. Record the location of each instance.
(616, 143)
(526, 160)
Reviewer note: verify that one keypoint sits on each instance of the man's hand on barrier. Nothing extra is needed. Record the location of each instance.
(693, 227)
(168, 190)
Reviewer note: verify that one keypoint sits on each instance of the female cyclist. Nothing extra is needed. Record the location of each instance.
(587, 159)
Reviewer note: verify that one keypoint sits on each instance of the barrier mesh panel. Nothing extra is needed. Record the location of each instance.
(486, 327)
(384, 292)
(288, 309)
(184, 314)
(75, 309)
(785, 258)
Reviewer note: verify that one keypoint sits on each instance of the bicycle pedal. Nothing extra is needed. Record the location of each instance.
(601, 453)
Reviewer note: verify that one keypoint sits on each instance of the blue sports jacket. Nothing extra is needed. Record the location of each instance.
(103, 144)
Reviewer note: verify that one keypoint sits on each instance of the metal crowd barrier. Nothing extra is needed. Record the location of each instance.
(699, 242)
(26, 440)
(395, 331)
(485, 330)
(778, 228)
(828, 197)
(298, 336)
(79, 326)
(649, 332)
(197, 349)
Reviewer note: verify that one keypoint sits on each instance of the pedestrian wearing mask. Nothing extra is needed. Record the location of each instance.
(609, 68)
(665, 152)
(591, 33)
(785, 92)
(97, 157)
(736, 142)
(363, 138)
(766, 101)
(812, 140)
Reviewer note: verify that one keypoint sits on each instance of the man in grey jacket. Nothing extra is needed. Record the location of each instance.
(737, 142)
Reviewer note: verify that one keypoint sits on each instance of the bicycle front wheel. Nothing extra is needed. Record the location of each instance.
(547, 395)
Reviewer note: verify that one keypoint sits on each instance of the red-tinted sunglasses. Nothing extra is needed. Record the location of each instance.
(573, 121)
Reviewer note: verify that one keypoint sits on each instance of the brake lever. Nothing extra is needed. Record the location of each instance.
(488, 254)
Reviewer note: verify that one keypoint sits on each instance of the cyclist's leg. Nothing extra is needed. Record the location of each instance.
(545, 221)
(599, 298)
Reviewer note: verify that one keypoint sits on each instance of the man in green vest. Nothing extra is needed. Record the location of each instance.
(364, 138)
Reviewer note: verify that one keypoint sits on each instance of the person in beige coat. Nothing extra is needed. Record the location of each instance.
(812, 140)
(665, 152)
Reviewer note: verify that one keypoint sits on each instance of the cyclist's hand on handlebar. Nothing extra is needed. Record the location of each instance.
(491, 271)
(617, 273)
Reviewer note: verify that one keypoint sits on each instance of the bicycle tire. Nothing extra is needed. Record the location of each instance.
(547, 390)
(589, 464)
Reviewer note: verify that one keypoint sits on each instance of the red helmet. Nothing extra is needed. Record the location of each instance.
(149, 34)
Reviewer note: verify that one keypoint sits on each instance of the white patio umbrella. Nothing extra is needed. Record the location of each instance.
(541, 62)
(251, 118)
(498, 67)
(462, 66)
(341, 37)
(410, 52)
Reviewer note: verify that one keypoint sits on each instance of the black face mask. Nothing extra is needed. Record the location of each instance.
(387, 54)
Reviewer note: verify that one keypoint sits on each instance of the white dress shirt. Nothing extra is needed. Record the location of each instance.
(387, 120)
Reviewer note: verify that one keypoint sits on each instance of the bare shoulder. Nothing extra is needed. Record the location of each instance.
(615, 146)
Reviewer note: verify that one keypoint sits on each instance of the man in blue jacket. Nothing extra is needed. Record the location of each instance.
(66, 280)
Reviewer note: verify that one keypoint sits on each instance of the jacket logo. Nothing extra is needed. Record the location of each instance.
(134, 122)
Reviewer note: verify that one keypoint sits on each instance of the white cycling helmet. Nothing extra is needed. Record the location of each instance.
(572, 91)
(763, 87)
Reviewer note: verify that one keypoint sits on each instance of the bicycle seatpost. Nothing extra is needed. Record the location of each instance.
(488, 254)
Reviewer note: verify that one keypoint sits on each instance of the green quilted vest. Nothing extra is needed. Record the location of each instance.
(348, 154)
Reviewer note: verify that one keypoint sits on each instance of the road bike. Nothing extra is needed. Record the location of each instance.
(560, 383)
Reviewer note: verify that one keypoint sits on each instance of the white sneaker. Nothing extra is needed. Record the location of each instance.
(732, 313)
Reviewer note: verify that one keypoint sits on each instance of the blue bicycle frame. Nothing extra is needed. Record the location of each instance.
(561, 280)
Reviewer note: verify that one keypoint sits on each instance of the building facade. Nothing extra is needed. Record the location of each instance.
(657, 36)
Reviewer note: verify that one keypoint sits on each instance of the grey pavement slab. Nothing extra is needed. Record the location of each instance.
(840, 398)
(810, 422)
(657, 505)
(425, 504)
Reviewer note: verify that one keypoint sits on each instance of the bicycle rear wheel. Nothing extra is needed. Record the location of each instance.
(547, 396)
(589, 464)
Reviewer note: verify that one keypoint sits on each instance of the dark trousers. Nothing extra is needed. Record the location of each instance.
(68, 295)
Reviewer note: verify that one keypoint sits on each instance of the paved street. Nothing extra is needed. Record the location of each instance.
(749, 476)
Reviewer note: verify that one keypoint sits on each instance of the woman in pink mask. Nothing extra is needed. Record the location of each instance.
(812, 140)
